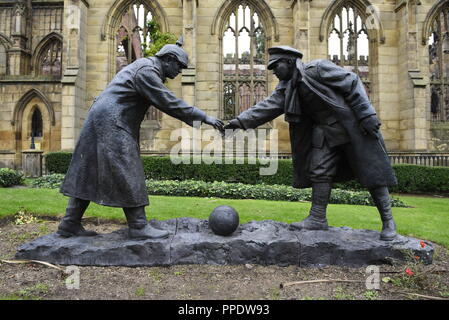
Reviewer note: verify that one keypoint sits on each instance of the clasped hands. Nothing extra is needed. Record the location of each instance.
(220, 126)
(369, 125)
(216, 123)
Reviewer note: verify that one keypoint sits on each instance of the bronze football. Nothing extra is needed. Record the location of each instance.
(224, 220)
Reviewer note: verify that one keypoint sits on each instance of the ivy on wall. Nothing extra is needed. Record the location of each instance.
(158, 39)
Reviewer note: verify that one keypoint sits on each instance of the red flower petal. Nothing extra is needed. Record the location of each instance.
(409, 272)
(423, 244)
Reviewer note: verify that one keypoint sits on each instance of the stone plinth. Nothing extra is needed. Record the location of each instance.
(257, 242)
(32, 163)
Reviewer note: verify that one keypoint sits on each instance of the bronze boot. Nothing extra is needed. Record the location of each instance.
(381, 198)
(317, 216)
(139, 228)
(70, 225)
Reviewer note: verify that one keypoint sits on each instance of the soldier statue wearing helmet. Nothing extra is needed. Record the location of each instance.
(334, 133)
(106, 167)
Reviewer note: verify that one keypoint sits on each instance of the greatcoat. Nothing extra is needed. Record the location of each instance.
(344, 93)
(106, 166)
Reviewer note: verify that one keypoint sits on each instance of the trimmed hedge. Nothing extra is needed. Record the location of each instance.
(58, 162)
(193, 188)
(162, 168)
(420, 179)
(10, 177)
(412, 178)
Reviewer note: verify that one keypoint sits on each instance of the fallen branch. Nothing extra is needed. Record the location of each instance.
(423, 296)
(429, 271)
(33, 261)
(440, 271)
(288, 284)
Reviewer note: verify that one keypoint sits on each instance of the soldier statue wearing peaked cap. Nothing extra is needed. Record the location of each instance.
(334, 133)
(106, 167)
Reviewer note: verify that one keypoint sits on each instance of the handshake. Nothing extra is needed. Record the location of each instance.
(369, 125)
(220, 126)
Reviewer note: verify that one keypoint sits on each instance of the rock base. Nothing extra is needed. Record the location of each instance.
(257, 242)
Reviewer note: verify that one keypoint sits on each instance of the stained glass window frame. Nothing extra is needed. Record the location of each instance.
(244, 77)
(141, 10)
(438, 49)
(49, 56)
(354, 62)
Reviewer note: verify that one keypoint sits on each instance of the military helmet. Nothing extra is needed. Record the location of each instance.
(175, 50)
(282, 52)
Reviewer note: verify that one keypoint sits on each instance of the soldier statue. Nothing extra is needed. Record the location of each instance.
(334, 133)
(106, 167)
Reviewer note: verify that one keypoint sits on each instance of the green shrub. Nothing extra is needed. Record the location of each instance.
(162, 168)
(421, 179)
(58, 162)
(10, 177)
(412, 178)
(51, 181)
(193, 188)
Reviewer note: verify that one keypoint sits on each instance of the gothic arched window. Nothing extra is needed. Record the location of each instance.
(133, 38)
(439, 67)
(244, 61)
(133, 35)
(36, 123)
(348, 43)
(50, 59)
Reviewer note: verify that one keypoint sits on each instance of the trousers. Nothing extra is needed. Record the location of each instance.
(324, 162)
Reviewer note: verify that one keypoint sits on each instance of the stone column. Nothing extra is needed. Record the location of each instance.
(301, 24)
(385, 72)
(19, 53)
(413, 94)
(189, 34)
(32, 163)
(74, 106)
(188, 81)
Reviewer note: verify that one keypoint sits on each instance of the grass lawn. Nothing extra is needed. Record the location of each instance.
(427, 219)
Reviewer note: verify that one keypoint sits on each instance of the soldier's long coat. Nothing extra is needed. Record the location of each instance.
(344, 93)
(106, 166)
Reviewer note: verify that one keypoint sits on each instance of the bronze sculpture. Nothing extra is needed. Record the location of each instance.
(106, 167)
(334, 133)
